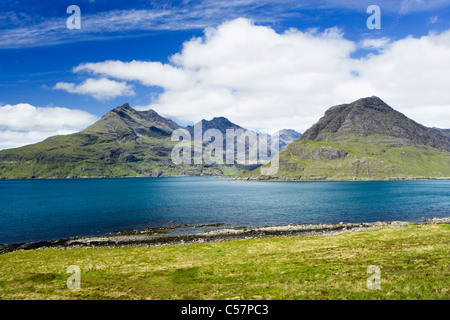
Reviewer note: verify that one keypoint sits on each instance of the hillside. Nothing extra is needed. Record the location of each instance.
(123, 143)
(373, 117)
(366, 139)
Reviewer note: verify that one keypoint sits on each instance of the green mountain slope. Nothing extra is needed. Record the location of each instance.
(124, 142)
(365, 139)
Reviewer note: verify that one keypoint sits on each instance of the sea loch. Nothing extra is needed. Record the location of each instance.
(40, 210)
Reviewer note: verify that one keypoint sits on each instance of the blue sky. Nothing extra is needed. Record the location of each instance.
(47, 70)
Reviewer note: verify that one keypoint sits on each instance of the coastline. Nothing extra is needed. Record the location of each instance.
(234, 178)
(160, 236)
(324, 179)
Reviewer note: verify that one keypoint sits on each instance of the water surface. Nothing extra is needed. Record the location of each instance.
(37, 210)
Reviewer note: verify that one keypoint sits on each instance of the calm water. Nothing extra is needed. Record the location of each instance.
(36, 210)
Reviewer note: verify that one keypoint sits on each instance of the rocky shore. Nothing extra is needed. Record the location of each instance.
(162, 236)
(272, 178)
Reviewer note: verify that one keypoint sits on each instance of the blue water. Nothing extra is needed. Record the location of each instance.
(37, 210)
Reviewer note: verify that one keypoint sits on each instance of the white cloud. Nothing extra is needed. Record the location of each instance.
(100, 89)
(375, 43)
(23, 124)
(412, 76)
(262, 79)
(147, 73)
(250, 74)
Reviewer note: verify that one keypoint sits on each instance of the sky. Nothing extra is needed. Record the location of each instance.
(264, 64)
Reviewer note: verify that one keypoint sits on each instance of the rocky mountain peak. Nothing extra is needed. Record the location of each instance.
(124, 122)
(287, 136)
(369, 117)
(125, 106)
(219, 123)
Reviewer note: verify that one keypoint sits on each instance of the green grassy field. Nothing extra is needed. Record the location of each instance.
(414, 264)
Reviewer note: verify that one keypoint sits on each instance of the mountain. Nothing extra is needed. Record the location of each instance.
(126, 124)
(219, 123)
(366, 139)
(287, 136)
(372, 116)
(124, 142)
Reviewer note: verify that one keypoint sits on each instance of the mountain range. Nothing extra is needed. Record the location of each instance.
(364, 140)
(124, 142)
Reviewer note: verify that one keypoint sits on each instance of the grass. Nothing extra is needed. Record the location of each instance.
(413, 260)
(371, 159)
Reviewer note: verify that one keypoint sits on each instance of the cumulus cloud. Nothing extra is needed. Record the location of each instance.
(23, 124)
(100, 89)
(412, 75)
(266, 80)
(245, 72)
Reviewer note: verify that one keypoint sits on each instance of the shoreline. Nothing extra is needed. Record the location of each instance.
(160, 236)
(318, 179)
(234, 178)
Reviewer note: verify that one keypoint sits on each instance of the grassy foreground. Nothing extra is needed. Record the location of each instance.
(414, 264)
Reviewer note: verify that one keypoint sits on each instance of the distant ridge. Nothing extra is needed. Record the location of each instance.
(219, 123)
(287, 136)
